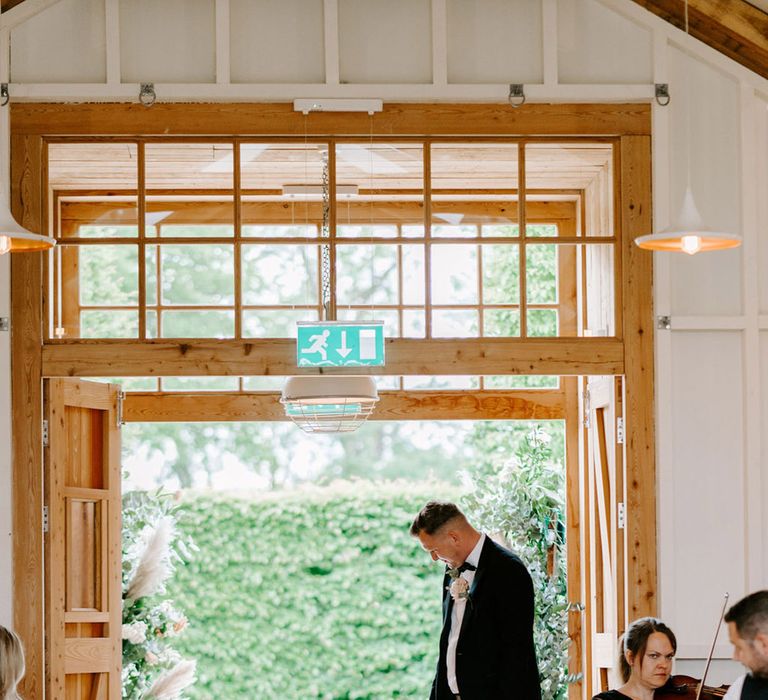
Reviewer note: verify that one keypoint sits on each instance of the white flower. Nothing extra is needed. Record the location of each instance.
(151, 658)
(135, 633)
(459, 589)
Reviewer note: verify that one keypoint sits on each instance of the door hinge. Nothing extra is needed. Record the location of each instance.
(621, 515)
(45, 433)
(45, 518)
(120, 399)
(620, 431)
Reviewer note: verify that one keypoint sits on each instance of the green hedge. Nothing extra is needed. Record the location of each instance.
(317, 593)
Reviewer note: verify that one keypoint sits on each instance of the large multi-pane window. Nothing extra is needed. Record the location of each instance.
(241, 239)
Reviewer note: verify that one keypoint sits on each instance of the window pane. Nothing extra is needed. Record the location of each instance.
(129, 383)
(197, 274)
(196, 230)
(413, 274)
(198, 324)
(366, 274)
(109, 275)
(273, 166)
(541, 274)
(199, 384)
(109, 324)
(150, 274)
(454, 274)
(152, 331)
(414, 231)
(503, 323)
(389, 316)
(279, 274)
(542, 323)
(274, 323)
(440, 383)
(541, 230)
(521, 381)
(501, 274)
(189, 166)
(381, 166)
(107, 231)
(500, 231)
(263, 383)
(454, 323)
(454, 231)
(414, 324)
(364, 230)
(279, 230)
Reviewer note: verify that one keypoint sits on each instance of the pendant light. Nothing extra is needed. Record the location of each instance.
(688, 234)
(13, 237)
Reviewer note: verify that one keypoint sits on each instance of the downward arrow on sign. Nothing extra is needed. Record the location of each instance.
(344, 350)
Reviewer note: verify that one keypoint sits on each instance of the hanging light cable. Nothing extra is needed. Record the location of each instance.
(688, 234)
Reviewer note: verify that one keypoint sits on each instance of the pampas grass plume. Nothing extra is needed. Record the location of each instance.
(154, 565)
(171, 683)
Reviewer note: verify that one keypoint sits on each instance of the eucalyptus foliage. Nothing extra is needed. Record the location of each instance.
(151, 622)
(522, 500)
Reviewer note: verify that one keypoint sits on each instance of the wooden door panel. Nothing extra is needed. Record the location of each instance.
(83, 552)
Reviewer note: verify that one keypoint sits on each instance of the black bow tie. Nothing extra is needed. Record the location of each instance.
(466, 566)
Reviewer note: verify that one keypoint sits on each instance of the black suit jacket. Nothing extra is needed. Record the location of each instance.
(495, 656)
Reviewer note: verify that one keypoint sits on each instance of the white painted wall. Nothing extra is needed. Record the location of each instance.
(712, 366)
(6, 601)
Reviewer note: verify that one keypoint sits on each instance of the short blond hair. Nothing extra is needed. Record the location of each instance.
(11, 664)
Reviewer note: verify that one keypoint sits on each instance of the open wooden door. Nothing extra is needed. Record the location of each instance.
(83, 541)
(603, 547)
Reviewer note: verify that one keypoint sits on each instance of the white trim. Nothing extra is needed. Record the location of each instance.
(223, 47)
(549, 42)
(708, 323)
(439, 43)
(99, 92)
(112, 41)
(24, 11)
(331, 39)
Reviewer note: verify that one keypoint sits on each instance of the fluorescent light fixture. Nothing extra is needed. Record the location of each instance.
(337, 105)
(317, 190)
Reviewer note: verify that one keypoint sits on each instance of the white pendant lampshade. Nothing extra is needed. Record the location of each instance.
(688, 234)
(329, 404)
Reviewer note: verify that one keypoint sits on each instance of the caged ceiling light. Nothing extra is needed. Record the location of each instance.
(329, 404)
(13, 238)
(688, 234)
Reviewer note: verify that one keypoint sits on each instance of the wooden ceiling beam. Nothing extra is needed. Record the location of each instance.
(732, 27)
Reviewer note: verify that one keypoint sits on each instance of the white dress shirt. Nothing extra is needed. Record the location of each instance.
(457, 615)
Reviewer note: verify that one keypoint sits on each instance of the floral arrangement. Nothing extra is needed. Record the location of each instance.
(522, 503)
(152, 669)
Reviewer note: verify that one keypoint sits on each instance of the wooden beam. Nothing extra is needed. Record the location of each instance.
(270, 356)
(733, 27)
(141, 407)
(635, 214)
(279, 119)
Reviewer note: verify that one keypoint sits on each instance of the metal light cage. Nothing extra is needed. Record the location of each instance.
(329, 404)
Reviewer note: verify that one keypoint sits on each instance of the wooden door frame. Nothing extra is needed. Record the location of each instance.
(630, 353)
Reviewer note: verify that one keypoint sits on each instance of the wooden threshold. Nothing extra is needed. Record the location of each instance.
(259, 357)
(530, 404)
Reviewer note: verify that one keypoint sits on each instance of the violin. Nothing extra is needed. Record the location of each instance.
(680, 687)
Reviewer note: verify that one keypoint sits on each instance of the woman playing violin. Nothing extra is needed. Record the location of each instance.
(646, 652)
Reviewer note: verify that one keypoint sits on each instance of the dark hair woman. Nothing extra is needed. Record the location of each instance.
(646, 652)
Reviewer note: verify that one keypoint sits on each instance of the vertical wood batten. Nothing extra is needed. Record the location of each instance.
(640, 529)
(27, 416)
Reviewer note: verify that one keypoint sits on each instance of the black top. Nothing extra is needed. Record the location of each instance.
(610, 695)
(754, 688)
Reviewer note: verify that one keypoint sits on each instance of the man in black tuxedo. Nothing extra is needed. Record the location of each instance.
(486, 646)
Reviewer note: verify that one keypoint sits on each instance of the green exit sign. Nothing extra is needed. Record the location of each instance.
(340, 344)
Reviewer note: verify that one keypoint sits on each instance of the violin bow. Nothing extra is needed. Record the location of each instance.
(712, 648)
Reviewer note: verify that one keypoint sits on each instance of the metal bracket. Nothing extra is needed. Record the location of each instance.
(661, 91)
(45, 518)
(664, 322)
(4, 94)
(5, 323)
(147, 95)
(516, 95)
(45, 433)
(620, 431)
(621, 515)
(120, 399)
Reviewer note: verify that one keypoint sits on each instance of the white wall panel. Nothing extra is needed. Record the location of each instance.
(495, 41)
(704, 114)
(759, 519)
(598, 45)
(277, 41)
(762, 203)
(172, 41)
(385, 41)
(702, 487)
(64, 44)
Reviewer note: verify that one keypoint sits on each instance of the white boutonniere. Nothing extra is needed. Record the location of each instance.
(459, 588)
